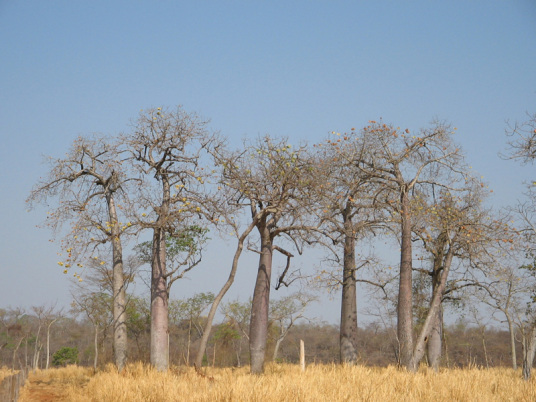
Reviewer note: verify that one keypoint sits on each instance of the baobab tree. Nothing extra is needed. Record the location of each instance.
(346, 198)
(406, 164)
(271, 180)
(167, 148)
(87, 186)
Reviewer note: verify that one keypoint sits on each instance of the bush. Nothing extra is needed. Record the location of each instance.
(65, 356)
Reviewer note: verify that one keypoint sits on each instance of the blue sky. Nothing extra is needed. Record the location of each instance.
(288, 68)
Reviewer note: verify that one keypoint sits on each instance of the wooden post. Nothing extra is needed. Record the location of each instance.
(302, 355)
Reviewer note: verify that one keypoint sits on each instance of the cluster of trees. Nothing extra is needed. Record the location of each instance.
(173, 178)
(469, 342)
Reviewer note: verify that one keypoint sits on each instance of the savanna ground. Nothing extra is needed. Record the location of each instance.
(281, 382)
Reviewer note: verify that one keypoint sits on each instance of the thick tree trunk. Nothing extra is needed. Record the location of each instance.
(159, 303)
(119, 292)
(258, 332)
(435, 340)
(405, 297)
(348, 328)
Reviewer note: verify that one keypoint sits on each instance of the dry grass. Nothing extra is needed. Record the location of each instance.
(6, 372)
(287, 383)
(53, 384)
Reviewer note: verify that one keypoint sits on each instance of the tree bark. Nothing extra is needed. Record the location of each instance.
(435, 305)
(511, 330)
(48, 341)
(96, 345)
(529, 350)
(159, 303)
(258, 332)
(276, 348)
(119, 292)
(348, 328)
(36, 349)
(435, 340)
(405, 297)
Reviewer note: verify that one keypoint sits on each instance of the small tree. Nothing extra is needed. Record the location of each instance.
(286, 312)
(191, 310)
(65, 356)
(237, 315)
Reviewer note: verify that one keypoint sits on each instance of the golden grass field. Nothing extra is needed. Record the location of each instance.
(281, 382)
(4, 372)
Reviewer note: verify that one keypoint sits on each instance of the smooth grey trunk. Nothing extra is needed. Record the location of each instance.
(529, 350)
(435, 305)
(484, 346)
(119, 292)
(435, 341)
(96, 344)
(511, 331)
(258, 332)
(220, 295)
(282, 335)
(238, 362)
(48, 341)
(189, 341)
(159, 303)
(405, 296)
(348, 328)
(15, 353)
(276, 348)
(36, 349)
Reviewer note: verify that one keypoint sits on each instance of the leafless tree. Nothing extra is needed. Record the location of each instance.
(502, 294)
(452, 227)
(285, 312)
(406, 165)
(167, 148)
(271, 180)
(87, 186)
(522, 145)
(346, 197)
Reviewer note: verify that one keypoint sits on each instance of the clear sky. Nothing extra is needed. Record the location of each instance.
(288, 68)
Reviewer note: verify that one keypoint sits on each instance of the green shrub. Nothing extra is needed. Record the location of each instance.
(65, 356)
